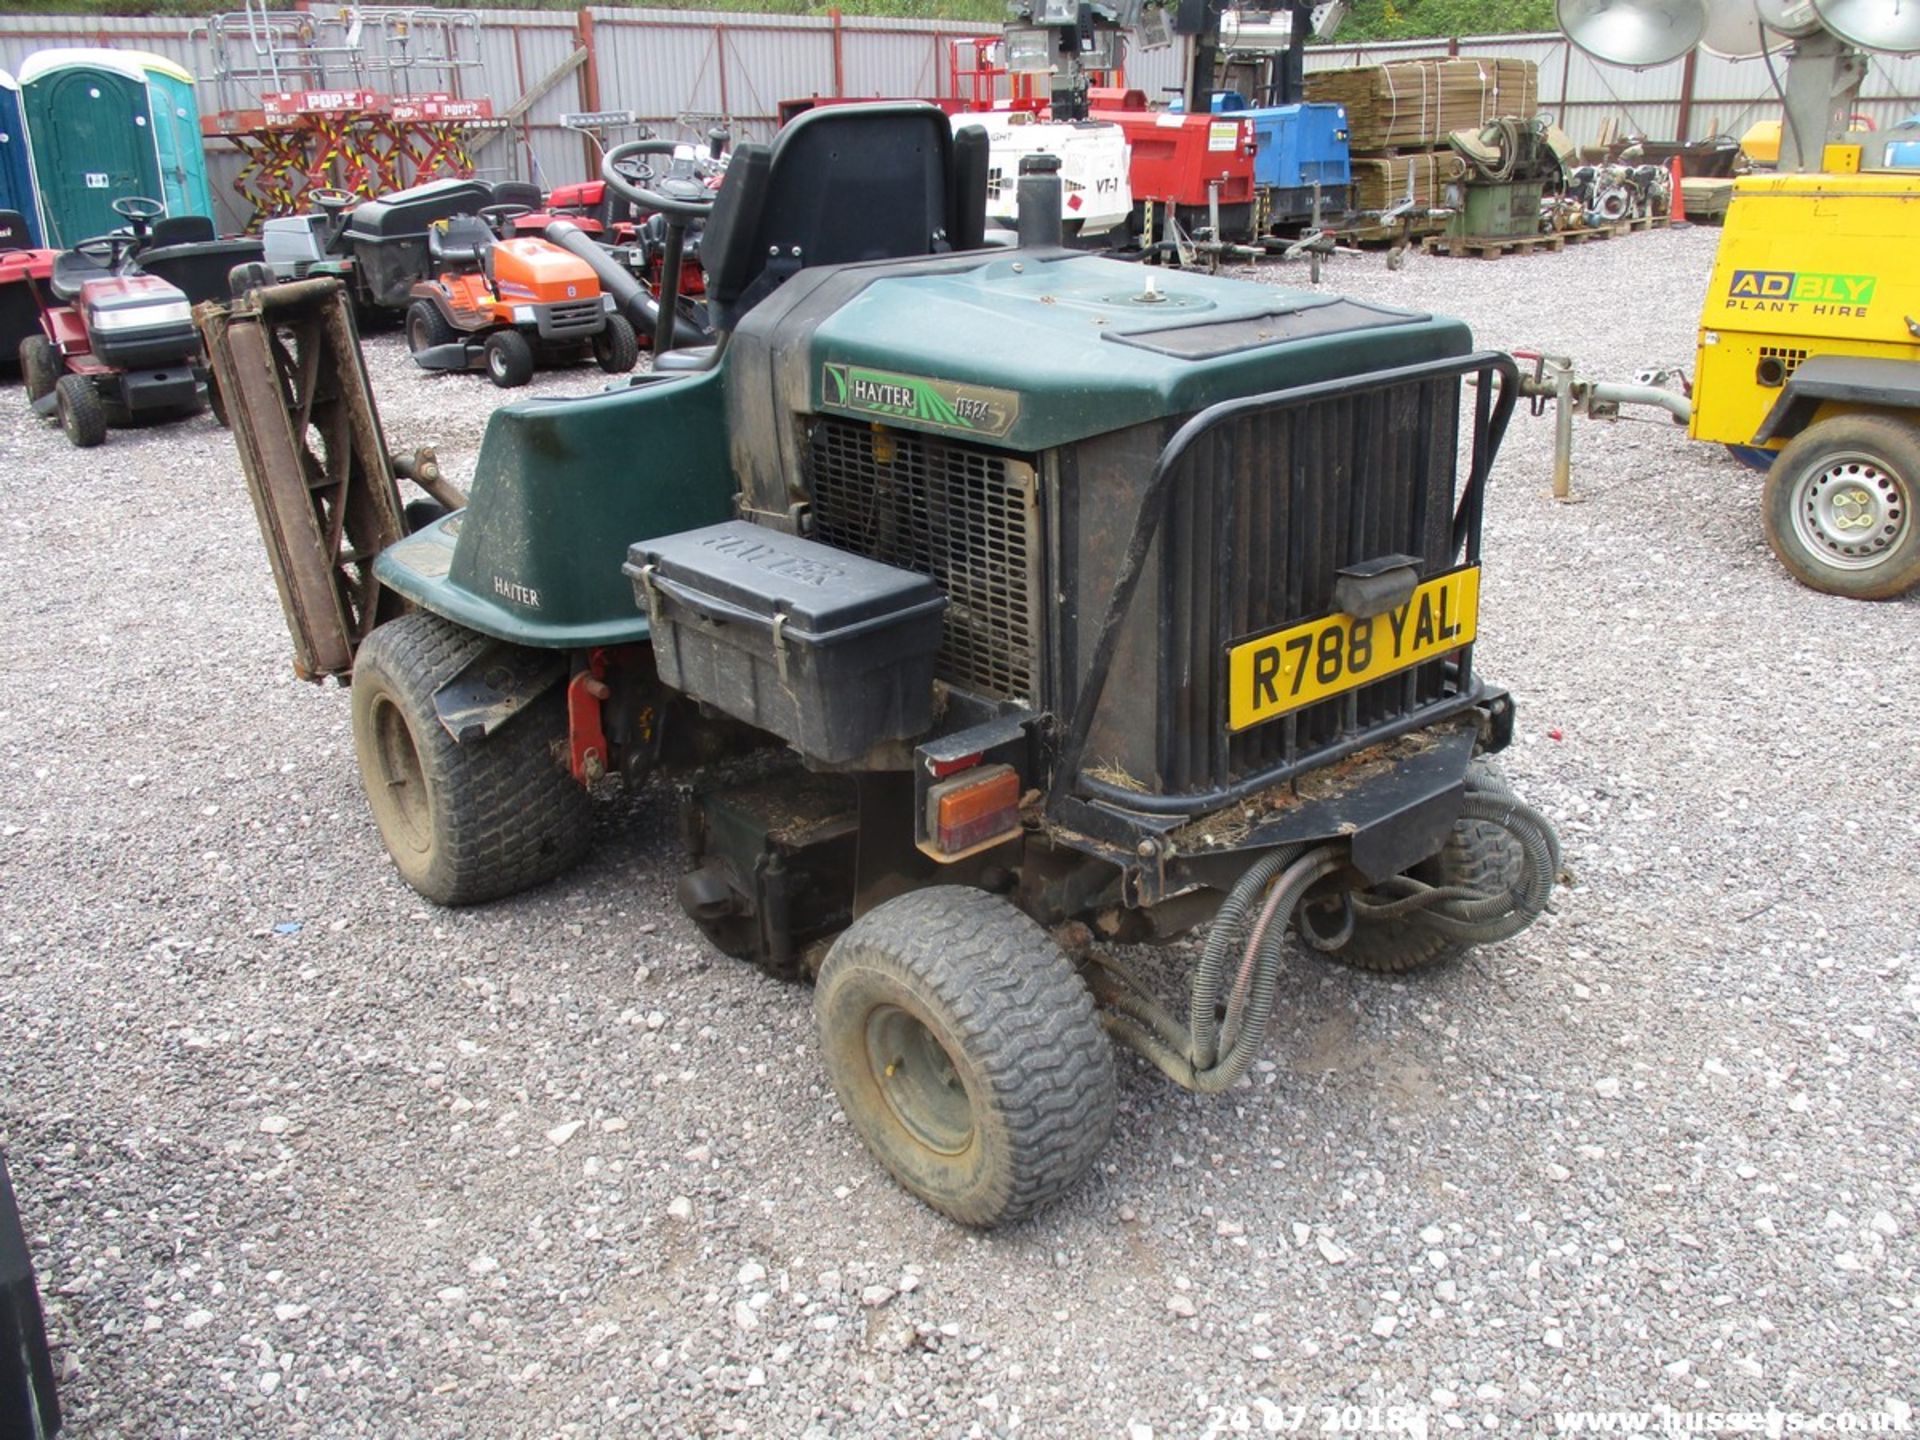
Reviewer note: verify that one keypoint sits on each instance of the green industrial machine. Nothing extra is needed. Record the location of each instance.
(993, 608)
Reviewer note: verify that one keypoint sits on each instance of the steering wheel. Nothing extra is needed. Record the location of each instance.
(628, 176)
(140, 212)
(107, 249)
(499, 217)
(328, 199)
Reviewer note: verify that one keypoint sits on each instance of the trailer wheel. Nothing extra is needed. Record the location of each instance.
(427, 327)
(39, 367)
(1476, 854)
(1839, 507)
(616, 349)
(509, 359)
(81, 414)
(471, 822)
(966, 1053)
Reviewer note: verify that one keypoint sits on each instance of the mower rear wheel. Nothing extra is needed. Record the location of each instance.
(39, 366)
(468, 822)
(1478, 855)
(1840, 504)
(616, 349)
(966, 1053)
(427, 327)
(509, 359)
(82, 415)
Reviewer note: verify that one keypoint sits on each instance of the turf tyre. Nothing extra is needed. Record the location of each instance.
(957, 978)
(509, 359)
(464, 823)
(427, 327)
(616, 349)
(82, 415)
(39, 367)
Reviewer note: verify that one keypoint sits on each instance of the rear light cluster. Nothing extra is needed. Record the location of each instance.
(980, 806)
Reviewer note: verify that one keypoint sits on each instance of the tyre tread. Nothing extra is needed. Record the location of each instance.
(509, 815)
(1025, 1019)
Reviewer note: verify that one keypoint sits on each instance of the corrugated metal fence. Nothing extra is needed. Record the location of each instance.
(679, 70)
(683, 70)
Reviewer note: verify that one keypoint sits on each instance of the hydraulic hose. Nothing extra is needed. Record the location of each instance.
(1469, 916)
(1192, 1059)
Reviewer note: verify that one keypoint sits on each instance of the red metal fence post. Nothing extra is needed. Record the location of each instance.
(839, 56)
(589, 87)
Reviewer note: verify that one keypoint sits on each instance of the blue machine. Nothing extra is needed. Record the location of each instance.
(16, 163)
(1901, 148)
(1295, 145)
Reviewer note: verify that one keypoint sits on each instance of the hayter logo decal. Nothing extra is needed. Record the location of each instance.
(937, 404)
(1785, 291)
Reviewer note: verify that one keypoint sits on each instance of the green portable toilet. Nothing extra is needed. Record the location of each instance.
(104, 124)
(175, 112)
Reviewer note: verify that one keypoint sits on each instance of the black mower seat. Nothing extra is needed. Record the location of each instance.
(71, 270)
(461, 240)
(518, 192)
(840, 184)
(181, 230)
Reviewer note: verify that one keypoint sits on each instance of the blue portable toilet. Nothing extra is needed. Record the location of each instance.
(1294, 146)
(105, 124)
(16, 161)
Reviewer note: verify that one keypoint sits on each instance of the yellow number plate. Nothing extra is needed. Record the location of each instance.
(1286, 669)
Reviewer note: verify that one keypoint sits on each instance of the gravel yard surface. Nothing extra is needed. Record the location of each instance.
(300, 1155)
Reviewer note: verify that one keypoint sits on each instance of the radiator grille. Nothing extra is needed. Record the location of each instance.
(1269, 507)
(964, 516)
(565, 316)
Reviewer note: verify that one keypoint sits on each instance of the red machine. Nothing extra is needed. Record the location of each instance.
(112, 344)
(21, 268)
(1186, 163)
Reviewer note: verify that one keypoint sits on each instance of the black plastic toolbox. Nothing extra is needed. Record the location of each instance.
(832, 652)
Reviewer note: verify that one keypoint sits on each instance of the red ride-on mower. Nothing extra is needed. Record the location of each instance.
(500, 305)
(112, 345)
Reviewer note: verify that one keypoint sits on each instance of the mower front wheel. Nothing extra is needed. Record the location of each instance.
(509, 359)
(464, 822)
(82, 415)
(616, 349)
(1839, 507)
(966, 1053)
(39, 367)
(427, 327)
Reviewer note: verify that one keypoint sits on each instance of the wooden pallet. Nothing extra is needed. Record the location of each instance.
(1492, 247)
(1369, 237)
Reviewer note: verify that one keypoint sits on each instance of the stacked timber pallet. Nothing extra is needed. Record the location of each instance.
(1399, 117)
(1416, 104)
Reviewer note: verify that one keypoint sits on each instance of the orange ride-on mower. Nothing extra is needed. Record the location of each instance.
(501, 305)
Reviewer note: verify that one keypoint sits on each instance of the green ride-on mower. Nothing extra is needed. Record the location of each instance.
(998, 608)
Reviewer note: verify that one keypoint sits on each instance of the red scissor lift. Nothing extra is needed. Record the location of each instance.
(358, 98)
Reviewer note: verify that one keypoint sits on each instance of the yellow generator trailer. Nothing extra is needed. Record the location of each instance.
(1809, 367)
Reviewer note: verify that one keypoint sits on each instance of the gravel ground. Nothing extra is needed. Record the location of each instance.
(302, 1156)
